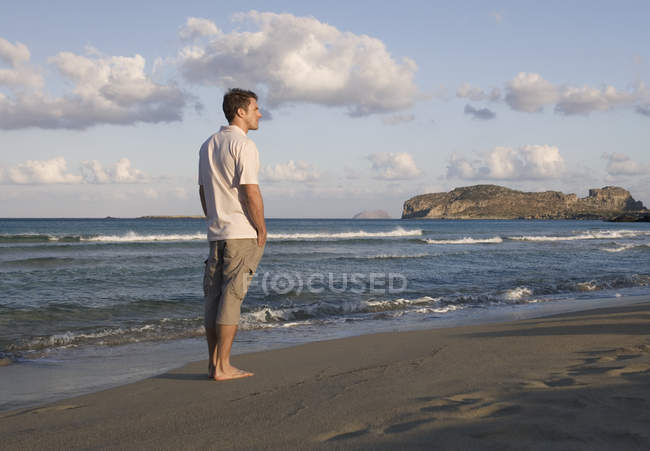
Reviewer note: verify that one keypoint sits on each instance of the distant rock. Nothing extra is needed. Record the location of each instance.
(499, 202)
(173, 217)
(375, 214)
(631, 217)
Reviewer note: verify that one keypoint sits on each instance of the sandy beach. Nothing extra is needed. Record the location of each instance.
(570, 381)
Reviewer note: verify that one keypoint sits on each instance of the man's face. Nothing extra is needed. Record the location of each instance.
(253, 115)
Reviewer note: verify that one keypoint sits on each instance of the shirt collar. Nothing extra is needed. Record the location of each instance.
(233, 128)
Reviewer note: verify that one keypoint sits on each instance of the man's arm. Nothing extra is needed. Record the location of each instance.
(255, 208)
(202, 196)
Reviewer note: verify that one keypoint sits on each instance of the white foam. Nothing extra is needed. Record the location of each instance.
(587, 286)
(398, 303)
(398, 232)
(600, 235)
(622, 247)
(516, 294)
(467, 240)
(391, 256)
(446, 309)
(132, 237)
(276, 317)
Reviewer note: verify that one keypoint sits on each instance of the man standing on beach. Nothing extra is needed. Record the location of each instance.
(232, 203)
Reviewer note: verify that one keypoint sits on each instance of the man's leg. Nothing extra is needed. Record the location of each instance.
(240, 260)
(211, 336)
(212, 281)
(224, 370)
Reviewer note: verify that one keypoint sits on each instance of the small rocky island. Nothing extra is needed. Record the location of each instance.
(499, 202)
(374, 214)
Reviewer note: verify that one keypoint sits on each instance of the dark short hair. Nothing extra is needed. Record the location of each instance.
(235, 99)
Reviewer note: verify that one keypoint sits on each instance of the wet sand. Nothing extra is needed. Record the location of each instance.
(570, 381)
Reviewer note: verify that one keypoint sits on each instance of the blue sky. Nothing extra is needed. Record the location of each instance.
(103, 106)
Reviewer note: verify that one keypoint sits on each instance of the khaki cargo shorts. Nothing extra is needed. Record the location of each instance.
(228, 273)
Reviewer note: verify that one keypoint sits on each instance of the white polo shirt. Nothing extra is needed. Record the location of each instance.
(228, 159)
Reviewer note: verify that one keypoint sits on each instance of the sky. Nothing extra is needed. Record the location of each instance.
(104, 105)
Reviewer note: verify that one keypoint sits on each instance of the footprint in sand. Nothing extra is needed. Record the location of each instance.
(347, 435)
(553, 382)
(629, 370)
(406, 426)
(470, 405)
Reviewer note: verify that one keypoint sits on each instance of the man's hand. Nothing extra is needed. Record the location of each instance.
(254, 205)
(261, 238)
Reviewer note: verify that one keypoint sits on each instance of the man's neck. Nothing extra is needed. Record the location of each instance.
(241, 126)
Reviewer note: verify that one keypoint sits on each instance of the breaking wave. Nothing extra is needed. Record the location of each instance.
(600, 235)
(467, 240)
(625, 247)
(397, 232)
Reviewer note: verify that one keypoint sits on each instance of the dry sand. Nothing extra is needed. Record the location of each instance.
(571, 381)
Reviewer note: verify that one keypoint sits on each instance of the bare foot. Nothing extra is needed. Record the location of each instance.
(211, 370)
(231, 373)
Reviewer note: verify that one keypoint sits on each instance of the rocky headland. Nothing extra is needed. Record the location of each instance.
(499, 202)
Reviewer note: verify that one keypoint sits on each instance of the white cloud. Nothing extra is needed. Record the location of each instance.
(586, 99)
(292, 171)
(53, 171)
(528, 162)
(394, 166)
(20, 75)
(14, 54)
(396, 119)
(105, 90)
(121, 172)
(196, 27)
(477, 94)
(481, 114)
(41, 172)
(621, 164)
(299, 59)
(529, 92)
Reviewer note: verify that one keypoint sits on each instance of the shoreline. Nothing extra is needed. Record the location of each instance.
(66, 372)
(573, 378)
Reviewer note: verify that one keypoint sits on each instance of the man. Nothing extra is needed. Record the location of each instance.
(232, 203)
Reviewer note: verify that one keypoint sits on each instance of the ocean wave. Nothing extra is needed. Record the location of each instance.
(467, 240)
(36, 238)
(516, 294)
(327, 309)
(255, 317)
(128, 237)
(397, 232)
(383, 257)
(161, 330)
(598, 235)
(625, 247)
(132, 237)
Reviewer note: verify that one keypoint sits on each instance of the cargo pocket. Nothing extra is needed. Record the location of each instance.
(209, 282)
(249, 263)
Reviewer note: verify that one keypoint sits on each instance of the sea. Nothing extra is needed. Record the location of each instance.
(87, 304)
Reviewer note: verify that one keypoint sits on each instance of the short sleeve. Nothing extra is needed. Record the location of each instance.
(248, 164)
